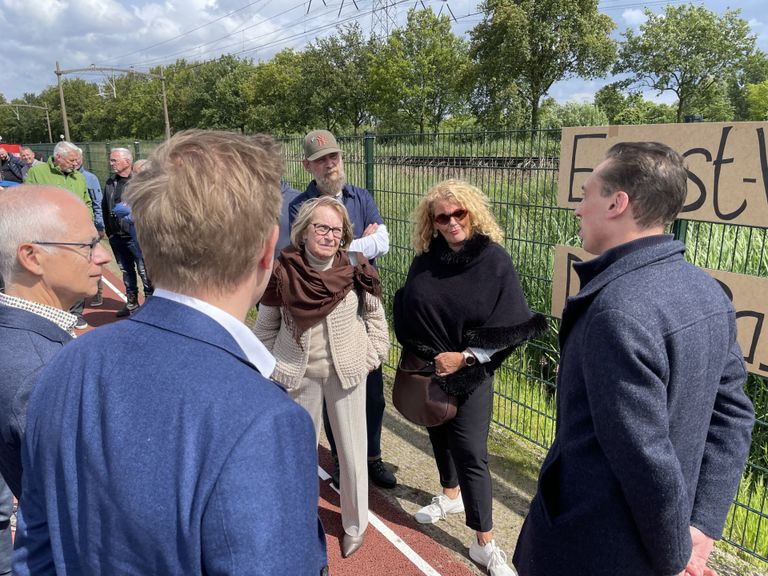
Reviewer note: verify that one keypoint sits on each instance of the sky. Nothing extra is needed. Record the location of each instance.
(140, 34)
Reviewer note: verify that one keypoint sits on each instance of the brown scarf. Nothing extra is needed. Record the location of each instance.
(309, 295)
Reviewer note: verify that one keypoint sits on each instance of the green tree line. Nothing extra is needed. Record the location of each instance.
(424, 78)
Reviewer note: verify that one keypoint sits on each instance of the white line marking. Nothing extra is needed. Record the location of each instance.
(390, 535)
(114, 289)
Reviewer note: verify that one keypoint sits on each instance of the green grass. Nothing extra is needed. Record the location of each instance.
(748, 519)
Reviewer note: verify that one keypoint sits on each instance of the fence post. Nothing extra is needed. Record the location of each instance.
(680, 229)
(369, 140)
(88, 156)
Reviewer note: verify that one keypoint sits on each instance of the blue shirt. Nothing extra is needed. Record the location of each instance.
(289, 194)
(362, 211)
(94, 191)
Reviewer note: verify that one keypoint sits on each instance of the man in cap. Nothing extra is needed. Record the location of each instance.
(324, 160)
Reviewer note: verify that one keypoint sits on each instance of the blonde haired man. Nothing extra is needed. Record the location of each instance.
(182, 431)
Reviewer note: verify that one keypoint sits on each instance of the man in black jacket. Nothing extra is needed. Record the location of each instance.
(126, 251)
(12, 169)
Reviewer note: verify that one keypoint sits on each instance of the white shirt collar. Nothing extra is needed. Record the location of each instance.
(254, 350)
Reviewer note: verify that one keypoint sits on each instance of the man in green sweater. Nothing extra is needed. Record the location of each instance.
(61, 170)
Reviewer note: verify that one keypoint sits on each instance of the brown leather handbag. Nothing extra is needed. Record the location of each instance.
(417, 395)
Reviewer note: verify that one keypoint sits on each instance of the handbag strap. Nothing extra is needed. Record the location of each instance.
(413, 361)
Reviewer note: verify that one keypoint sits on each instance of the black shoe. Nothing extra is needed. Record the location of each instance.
(130, 306)
(335, 474)
(380, 475)
(81, 324)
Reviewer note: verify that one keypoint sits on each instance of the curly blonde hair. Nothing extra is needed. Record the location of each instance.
(469, 197)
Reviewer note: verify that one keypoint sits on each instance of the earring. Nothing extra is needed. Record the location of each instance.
(434, 233)
(341, 242)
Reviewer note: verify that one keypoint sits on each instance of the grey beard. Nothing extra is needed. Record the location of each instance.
(331, 186)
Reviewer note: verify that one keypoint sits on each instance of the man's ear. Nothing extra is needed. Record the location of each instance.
(28, 256)
(305, 163)
(619, 205)
(268, 254)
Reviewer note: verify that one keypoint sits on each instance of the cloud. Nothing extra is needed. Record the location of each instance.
(633, 17)
(582, 97)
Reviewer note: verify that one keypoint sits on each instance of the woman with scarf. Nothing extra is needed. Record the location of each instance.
(463, 308)
(322, 318)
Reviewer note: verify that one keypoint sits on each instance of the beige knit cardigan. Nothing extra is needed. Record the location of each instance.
(358, 336)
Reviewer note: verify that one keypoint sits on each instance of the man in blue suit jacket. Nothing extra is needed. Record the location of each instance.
(49, 258)
(653, 425)
(178, 455)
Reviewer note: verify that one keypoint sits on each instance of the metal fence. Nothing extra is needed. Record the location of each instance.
(519, 172)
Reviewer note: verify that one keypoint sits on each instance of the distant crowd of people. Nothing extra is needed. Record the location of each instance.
(181, 441)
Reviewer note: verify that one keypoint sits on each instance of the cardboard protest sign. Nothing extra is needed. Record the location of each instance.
(746, 292)
(727, 165)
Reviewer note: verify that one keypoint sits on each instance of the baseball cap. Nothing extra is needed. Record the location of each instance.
(319, 143)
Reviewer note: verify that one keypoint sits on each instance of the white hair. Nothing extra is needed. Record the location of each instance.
(124, 152)
(65, 147)
(24, 217)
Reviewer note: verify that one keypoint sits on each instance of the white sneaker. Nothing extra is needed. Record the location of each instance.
(441, 506)
(492, 557)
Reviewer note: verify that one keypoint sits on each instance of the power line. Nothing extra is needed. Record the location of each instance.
(188, 32)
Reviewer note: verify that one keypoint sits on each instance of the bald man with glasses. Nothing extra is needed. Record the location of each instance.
(50, 258)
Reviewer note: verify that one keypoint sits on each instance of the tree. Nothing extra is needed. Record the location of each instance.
(417, 74)
(638, 110)
(712, 103)
(272, 92)
(339, 67)
(534, 43)
(222, 101)
(496, 102)
(685, 51)
(556, 116)
(754, 71)
(757, 100)
(611, 100)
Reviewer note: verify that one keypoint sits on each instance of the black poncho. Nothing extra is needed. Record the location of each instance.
(468, 298)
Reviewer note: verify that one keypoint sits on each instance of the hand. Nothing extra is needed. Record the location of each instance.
(447, 363)
(371, 229)
(702, 548)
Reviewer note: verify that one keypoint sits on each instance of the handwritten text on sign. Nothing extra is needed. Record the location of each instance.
(727, 165)
(751, 309)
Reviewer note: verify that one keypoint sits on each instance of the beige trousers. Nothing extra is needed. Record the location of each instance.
(346, 411)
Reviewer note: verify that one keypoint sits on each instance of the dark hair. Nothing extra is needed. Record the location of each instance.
(654, 177)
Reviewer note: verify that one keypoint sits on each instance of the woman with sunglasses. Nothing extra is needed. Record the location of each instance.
(322, 318)
(462, 307)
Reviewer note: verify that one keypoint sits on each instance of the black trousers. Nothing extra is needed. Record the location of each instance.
(461, 454)
(374, 414)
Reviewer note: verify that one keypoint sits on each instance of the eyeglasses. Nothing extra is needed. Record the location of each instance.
(323, 229)
(444, 219)
(90, 245)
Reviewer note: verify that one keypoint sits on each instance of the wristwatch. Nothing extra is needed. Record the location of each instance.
(469, 358)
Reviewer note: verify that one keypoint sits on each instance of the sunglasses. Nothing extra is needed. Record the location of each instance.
(444, 219)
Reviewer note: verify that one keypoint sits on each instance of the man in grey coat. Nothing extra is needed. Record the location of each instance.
(653, 425)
